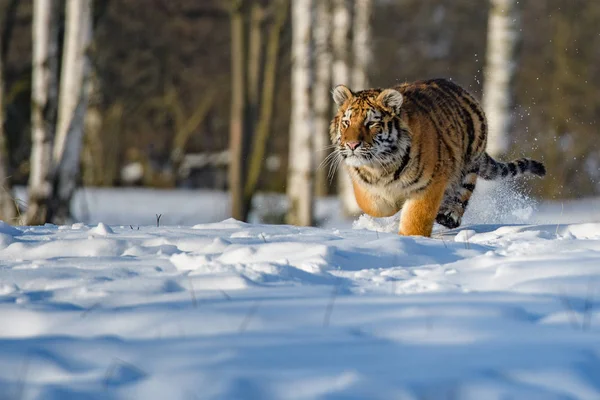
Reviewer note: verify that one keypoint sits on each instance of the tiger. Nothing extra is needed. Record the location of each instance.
(418, 148)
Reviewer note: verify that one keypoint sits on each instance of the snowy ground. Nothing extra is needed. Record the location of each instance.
(505, 307)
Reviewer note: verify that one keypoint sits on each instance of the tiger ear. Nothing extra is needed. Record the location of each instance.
(392, 99)
(341, 94)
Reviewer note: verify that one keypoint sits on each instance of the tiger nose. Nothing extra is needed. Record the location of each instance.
(353, 145)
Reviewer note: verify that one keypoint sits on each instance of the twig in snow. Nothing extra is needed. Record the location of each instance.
(441, 237)
(329, 308)
(158, 220)
(262, 236)
(228, 297)
(571, 312)
(249, 316)
(89, 309)
(588, 308)
(131, 226)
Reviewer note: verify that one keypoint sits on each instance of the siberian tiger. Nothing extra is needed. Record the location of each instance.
(418, 147)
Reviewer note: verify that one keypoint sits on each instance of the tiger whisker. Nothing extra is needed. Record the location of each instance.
(327, 160)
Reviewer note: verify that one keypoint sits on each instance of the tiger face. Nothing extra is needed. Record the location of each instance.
(368, 130)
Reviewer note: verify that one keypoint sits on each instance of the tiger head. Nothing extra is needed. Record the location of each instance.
(368, 130)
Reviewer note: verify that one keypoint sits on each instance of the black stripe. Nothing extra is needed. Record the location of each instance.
(397, 126)
(362, 176)
(513, 169)
(448, 105)
(475, 108)
(416, 179)
(422, 186)
(469, 186)
(492, 168)
(503, 170)
(422, 102)
(405, 159)
(522, 165)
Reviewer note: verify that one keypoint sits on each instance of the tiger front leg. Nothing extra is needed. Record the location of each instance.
(418, 213)
(373, 205)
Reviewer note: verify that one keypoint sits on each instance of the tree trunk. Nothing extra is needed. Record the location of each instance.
(94, 149)
(8, 209)
(7, 203)
(362, 44)
(503, 37)
(322, 103)
(238, 124)
(74, 95)
(263, 127)
(185, 125)
(44, 94)
(254, 61)
(300, 183)
(341, 75)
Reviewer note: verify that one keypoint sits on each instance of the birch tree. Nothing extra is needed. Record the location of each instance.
(341, 75)
(300, 184)
(322, 86)
(44, 92)
(361, 42)
(74, 94)
(502, 40)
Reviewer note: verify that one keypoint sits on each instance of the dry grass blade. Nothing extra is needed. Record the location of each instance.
(330, 304)
(249, 316)
(571, 312)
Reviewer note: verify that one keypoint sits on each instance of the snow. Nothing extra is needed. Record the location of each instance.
(206, 307)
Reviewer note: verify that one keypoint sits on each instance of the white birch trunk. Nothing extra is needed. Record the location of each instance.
(43, 93)
(362, 44)
(341, 75)
(503, 36)
(301, 165)
(74, 95)
(321, 91)
(74, 48)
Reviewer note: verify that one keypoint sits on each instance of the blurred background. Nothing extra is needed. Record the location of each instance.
(197, 110)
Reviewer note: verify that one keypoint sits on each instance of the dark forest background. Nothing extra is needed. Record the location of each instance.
(160, 63)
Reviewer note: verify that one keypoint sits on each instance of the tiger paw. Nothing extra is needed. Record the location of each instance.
(448, 219)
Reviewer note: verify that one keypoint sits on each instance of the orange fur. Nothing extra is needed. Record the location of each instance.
(375, 207)
(420, 144)
(418, 213)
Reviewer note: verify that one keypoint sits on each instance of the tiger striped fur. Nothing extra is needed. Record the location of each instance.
(419, 147)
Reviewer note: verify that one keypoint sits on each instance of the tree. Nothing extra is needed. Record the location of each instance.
(498, 97)
(341, 75)
(238, 124)
(322, 104)
(8, 209)
(300, 184)
(251, 105)
(263, 125)
(44, 99)
(361, 43)
(73, 99)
